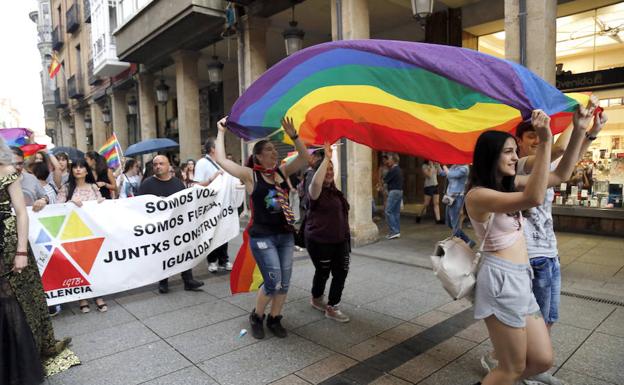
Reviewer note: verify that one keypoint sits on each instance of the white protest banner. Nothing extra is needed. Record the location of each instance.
(117, 245)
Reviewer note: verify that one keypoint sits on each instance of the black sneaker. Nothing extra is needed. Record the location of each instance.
(192, 285)
(257, 327)
(275, 326)
(163, 287)
(417, 219)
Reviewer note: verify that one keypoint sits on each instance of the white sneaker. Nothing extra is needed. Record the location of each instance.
(544, 378)
(488, 363)
(332, 312)
(213, 267)
(393, 236)
(228, 266)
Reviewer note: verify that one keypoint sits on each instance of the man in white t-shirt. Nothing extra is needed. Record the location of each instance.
(207, 170)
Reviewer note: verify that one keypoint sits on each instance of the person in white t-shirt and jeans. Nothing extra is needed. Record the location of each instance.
(206, 171)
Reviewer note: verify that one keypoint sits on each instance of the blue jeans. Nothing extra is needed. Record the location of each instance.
(393, 210)
(547, 286)
(453, 213)
(274, 256)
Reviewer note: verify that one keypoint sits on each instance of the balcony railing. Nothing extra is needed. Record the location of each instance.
(86, 5)
(60, 98)
(93, 80)
(74, 87)
(57, 38)
(72, 17)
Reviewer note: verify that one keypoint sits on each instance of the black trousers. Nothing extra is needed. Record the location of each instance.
(329, 258)
(187, 275)
(220, 254)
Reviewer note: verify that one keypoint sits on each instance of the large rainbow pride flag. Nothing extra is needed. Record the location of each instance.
(421, 99)
(15, 136)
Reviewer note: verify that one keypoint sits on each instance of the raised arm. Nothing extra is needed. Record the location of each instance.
(316, 186)
(57, 175)
(245, 174)
(302, 158)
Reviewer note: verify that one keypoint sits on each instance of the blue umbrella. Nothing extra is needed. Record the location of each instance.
(73, 153)
(151, 145)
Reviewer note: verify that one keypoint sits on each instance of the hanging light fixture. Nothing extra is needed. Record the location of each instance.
(87, 122)
(132, 105)
(293, 36)
(106, 114)
(215, 68)
(422, 9)
(162, 91)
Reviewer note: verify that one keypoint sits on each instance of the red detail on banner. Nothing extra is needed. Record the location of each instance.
(84, 252)
(61, 274)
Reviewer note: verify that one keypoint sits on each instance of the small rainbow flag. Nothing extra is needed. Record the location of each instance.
(31, 149)
(111, 150)
(15, 137)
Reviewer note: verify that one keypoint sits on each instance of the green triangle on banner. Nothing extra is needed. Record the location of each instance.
(53, 224)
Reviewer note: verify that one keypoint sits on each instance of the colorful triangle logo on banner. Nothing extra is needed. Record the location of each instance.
(75, 228)
(53, 224)
(42, 238)
(48, 247)
(84, 252)
(61, 274)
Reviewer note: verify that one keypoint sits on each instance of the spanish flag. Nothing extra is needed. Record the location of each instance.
(55, 66)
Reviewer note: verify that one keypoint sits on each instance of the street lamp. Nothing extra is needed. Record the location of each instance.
(215, 68)
(106, 115)
(132, 105)
(87, 122)
(293, 36)
(162, 92)
(422, 9)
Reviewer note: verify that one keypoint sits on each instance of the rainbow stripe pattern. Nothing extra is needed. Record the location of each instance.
(420, 99)
(245, 276)
(111, 151)
(15, 137)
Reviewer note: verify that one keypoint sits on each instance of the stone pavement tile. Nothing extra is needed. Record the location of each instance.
(453, 374)
(574, 378)
(364, 325)
(593, 271)
(326, 368)
(302, 274)
(217, 286)
(368, 348)
(402, 332)
(300, 313)
(290, 380)
(361, 292)
(265, 361)
(247, 301)
(214, 340)
(103, 342)
(600, 256)
(192, 317)
(388, 379)
(614, 324)
(187, 376)
(431, 318)
(455, 306)
(565, 340)
(451, 349)
(418, 368)
(149, 304)
(600, 357)
(69, 324)
(408, 304)
(477, 332)
(582, 313)
(130, 367)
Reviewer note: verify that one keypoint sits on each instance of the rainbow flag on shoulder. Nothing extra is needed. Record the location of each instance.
(111, 150)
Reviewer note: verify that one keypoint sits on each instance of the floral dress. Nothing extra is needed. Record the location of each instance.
(26, 333)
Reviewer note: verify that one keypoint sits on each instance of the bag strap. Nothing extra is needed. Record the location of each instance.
(213, 162)
(488, 227)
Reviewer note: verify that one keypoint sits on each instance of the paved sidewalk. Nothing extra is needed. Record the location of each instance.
(404, 330)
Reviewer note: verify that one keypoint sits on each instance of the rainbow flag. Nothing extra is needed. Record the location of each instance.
(245, 276)
(15, 137)
(426, 100)
(111, 150)
(31, 149)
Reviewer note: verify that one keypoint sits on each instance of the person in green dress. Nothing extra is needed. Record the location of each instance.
(28, 349)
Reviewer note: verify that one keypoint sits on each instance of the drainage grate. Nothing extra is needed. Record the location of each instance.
(593, 299)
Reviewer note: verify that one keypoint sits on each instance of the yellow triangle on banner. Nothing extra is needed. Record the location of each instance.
(75, 228)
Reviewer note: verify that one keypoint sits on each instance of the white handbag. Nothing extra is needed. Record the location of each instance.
(455, 264)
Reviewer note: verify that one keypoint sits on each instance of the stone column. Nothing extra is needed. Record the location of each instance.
(98, 127)
(355, 25)
(147, 101)
(541, 33)
(81, 131)
(120, 117)
(187, 91)
(66, 138)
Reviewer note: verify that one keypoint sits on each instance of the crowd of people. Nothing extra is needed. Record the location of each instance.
(506, 194)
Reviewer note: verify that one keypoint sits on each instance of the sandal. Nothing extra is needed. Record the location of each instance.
(101, 307)
(85, 308)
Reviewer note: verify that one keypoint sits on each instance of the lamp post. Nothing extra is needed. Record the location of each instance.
(87, 122)
(162, 92)
(132, 105)
(215, 68)
(106, 115)
(293, 36)
(422, 9)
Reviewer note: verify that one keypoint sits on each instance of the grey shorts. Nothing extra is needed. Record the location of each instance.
(504, 289)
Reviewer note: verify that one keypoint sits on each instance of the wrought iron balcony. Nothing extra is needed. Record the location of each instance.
(75, 87)
(86, 4)
(57, 38)
(60, 98)
(72, 18)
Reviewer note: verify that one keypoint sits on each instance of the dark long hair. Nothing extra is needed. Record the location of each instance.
(71, 182)
(100, 162)
(487, 151)
(257, 149)
(129, 164)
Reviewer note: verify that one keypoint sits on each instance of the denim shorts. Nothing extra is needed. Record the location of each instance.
(274, 256)
(547, 286)
(503, 289)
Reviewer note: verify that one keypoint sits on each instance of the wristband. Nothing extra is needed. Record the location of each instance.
(22, 253)
(590, 137)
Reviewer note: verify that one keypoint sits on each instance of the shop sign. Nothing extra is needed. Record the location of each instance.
(591, 80)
